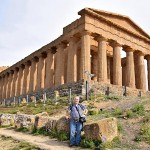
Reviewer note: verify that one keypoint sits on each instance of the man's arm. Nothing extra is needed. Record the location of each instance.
(68, 110)
(84, 109)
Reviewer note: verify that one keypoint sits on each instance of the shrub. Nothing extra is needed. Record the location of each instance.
(22, 130)
(146, 118)
(25, 146)
(115, 143)
(41, 131)
(90, 143)
(130, 114)
(145, 133)
(139, 109)
(117, 112)
(111, 98)
(62, 136)
(120, 127)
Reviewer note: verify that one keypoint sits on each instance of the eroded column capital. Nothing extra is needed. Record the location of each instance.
(86, 33)
(128, 49)
(147, 57)
(101, 38)
(139, 53)
(73, 39)
(61, 46)
(115, 44)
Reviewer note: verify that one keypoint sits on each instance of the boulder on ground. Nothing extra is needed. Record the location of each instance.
(104, 130)
(6, 119)
(44, 114)
(51, 125)
(40, 121)
(24, 121)
(62, 125)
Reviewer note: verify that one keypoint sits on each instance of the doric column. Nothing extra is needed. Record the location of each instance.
(33, 75)
(2, 88)
(26, 77)
(49, 70)
(40, 73)
(148, 71)
(5, 86)
(59, 72)
(15, 82)
(20, 80)
(102, 59)
(94, 65)
(85, 61)
(117, 71)
(72, 61)
(130, 71)
(140, 71)
(11, 82)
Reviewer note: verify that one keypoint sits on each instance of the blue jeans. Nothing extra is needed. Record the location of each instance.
(75, 132)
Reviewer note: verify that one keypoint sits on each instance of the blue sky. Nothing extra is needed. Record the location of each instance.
(27, 25)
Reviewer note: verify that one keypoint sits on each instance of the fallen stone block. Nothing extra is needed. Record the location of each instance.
(104, 130)
(62, 125)
(24, 121)
(7, 119)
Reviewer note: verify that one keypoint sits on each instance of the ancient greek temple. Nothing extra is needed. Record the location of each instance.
(92, 43)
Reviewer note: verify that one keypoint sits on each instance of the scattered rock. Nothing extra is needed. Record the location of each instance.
(62, 125)
(104, 130)
(7, 119)
(24, 121)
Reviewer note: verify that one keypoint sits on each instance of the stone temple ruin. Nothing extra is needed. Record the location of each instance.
(93, 44)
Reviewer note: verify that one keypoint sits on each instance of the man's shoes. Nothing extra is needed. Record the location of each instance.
(71, 145)
(77, 144)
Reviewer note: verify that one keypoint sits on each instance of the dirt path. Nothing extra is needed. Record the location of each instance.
(43, 142)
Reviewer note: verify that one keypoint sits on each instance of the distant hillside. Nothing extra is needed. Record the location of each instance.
(3, 68)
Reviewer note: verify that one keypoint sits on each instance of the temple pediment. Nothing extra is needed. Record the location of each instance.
(116, 19)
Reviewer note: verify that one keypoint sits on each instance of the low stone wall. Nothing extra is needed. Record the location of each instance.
(104, 130)
(80, 89)
(115, 90)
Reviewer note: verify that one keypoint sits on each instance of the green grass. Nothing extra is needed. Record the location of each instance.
(24, 146)
(50, 108)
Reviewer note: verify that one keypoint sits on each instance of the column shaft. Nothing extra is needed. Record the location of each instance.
(5, 87)
(141, 72)
(40, 73)
(15, 83)
(117, 71)
(130, 72)
(148, 72)
(72, 61)
(85, 62)
(33, 76)
(11, 85)
(20, 81)
(49, 69)
(59, 72)
(26, 78)
(102, 60)
(94, 65)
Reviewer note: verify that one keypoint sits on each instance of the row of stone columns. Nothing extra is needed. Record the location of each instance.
(69, 64)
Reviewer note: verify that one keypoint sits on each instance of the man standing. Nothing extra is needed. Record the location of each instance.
(74, 112)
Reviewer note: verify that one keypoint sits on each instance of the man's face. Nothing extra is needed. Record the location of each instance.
(76, 100)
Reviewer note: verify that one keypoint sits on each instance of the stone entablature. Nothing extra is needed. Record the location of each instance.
(91, 43)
